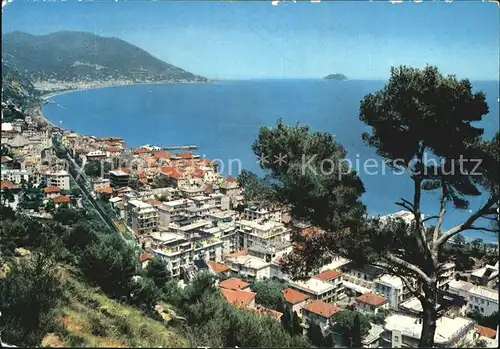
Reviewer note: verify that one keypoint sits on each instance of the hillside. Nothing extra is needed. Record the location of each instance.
(336, 77)
(16, 89)
(70, 56)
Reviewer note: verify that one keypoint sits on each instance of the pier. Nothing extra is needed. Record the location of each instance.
(180, 147)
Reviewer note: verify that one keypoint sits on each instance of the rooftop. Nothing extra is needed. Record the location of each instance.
(328, 275)
(51, 189)
(118, 173)
(484, 292)
(139, 204)
(312, 285)
(217, 267)
(371, 299)
(234, 284)
(322, 308)
(460, 285)
(486, 331)
(61, 199)
(409, 326)
(238, 297)
(293, 297)
(259, 309)
(390, 280)
(249, 262)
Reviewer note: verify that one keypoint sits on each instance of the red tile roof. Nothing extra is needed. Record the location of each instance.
(233, 284)
(259, 309)
(322, 308)
(486, 331)
(112, 150)
(142, 151)
(238, 297)
(185, 155)
(231, 179)
(371, 299)
(162, 155)
(199, 173)
(105, 190)
(6, 184)
(51, 189)
(328, 275)
(217, 267)
(61, 199)
(293, 297)
(145, 257)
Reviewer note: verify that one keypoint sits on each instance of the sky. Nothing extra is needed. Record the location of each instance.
(250, 40)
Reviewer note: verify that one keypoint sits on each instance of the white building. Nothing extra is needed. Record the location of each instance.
(142, 218)
(172, 211)
(15, 176)
(403, 331)
(315, 289)
(249, 267)
(58, 179)
(485, 276)
(392, 288)
(264, 232)
(481, 299)
(179, 252)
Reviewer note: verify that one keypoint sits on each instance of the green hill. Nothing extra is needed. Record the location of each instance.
(16, 89)
(72, 56)
(336, 77)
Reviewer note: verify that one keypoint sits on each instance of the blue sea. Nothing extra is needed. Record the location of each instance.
(223, 119)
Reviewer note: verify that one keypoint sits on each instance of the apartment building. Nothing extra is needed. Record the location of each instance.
(226, 232)
(141, 217)
(359, 280)
(392, 288)
(100, 183)
(118, 179)
(295, 300)
(486, 276)
(258, 213)
(58, 179)
(174, 211)
(180, 252)
(403, 331)
(15, 176)
(249, 267)
(264, 232)
(336, 279)
(479, 298)
(447, 273)
(370, 303)
(320, 313)
(315, 289)
(483, 300)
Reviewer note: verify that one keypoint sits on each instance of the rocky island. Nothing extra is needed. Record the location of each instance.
(336, 77)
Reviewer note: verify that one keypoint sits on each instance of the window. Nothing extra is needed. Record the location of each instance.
(482, 310)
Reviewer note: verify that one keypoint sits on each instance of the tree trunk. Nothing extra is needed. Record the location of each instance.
(429, 316)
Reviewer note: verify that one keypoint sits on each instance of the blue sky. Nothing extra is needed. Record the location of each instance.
(241, 40)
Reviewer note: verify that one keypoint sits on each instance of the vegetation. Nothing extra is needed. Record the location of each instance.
(419, 112)
(65, 56)
(269, 294)
(17, 93)
(336, 77)
(351, 325)
(486, 321)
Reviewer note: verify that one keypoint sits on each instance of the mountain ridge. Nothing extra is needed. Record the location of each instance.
(83, 57)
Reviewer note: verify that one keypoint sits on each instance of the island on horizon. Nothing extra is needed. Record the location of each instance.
(336, 76)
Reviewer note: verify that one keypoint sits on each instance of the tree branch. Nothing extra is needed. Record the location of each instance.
(485, 209)
(482, 229)
(410, 267)
(429, 218)
(413, 290)
(442, 211)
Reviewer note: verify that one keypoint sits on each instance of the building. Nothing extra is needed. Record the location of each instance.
(174, 211)
(264, 232)
(118, 179)
(315, 289)
(249, 267)
(142, 218)
(235, 284)
(486, 276)
(295, 300)
(100, 183)
(392, 288)
(447, 273)
(403, 331)
(15, 176)
(51, 192)
(180, 252)
(258, 213)
(336, 279)
(481, 299)
(320, 313)
(239, 298)
(359, 280)
(58, 179)
(370, 303)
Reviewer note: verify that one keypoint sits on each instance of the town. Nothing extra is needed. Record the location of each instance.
(177, 207)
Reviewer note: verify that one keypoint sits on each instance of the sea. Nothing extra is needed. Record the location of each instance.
(223, 119)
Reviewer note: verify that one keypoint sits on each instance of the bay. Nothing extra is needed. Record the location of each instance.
(223, 119)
